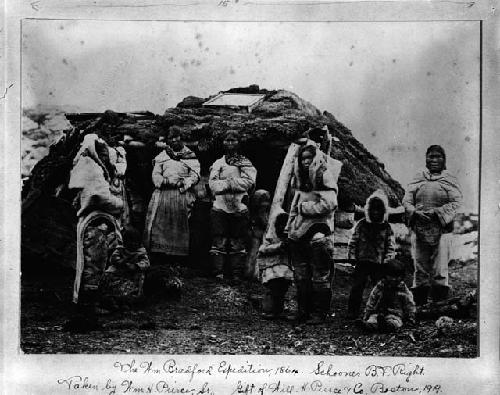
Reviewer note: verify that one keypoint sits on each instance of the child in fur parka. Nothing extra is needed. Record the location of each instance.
(310, 229)
(371, 244)
(391, 303)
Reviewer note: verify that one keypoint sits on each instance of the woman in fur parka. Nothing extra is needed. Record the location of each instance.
(310, 229)
(431, 203)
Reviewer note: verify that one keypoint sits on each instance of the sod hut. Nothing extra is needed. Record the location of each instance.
(268, 122)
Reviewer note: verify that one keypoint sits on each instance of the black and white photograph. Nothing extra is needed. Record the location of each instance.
(269, 188)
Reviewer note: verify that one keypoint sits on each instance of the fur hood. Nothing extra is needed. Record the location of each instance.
(88, 150)
(378, 194)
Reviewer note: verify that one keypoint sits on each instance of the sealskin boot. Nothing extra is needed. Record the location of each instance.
(321, 306)
(235, 266)
(279, 292)
(218, 265)
(304, 291)
(84, 317)
(273, 302)
(267, 305)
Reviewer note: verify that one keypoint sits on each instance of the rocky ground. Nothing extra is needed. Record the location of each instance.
(214, 318)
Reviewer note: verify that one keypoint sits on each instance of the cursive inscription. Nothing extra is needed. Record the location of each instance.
(407, 370)
(171, 366)
(78, 383)
(174, 376)
(226, 369)
(328, 370)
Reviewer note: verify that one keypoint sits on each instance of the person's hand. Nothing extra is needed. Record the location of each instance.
(180, 185)
(431, 213)
(425, 215)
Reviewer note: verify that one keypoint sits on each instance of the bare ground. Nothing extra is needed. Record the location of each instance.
(214, 318)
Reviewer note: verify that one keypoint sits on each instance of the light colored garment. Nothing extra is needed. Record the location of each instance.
(432, 240)
(317, 206)
(440, 193)
(90, 176)
(167, 172)
(230, 184)
(273, 261)
(431, 261)
(167, 226)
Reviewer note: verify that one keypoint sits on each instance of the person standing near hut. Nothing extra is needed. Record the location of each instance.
(98, 210)
(371, 245)
(309, 229)
(231, 179)
(431, 203)
(176, 171)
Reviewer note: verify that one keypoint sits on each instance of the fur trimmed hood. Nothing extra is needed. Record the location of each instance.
(378, 194)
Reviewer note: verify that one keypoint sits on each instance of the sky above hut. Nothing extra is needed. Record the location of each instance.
(399, 86)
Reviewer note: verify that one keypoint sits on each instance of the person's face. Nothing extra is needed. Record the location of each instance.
(376, 212)
(392, 281)
(231, 144)
(306, 159)
(434, 161)
(176, 143)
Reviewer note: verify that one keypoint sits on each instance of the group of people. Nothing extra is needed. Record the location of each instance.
(114, 258)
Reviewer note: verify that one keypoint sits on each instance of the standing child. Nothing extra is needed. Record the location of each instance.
(390, 302)
(274, 267)
(371, 244)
